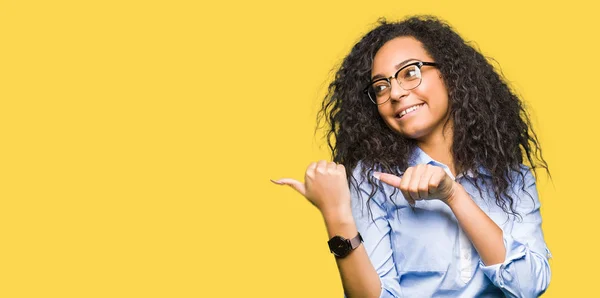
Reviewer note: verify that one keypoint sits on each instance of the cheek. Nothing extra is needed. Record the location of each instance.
(436, 96)
(384, 110)
(442, 102)
(386, 114)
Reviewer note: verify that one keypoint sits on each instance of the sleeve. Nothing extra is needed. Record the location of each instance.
(525, 271)
(372, 223)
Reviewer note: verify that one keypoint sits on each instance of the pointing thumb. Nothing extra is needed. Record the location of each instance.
(295, 184)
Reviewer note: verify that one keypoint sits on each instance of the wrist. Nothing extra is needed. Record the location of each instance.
(455, 194)
(338, 217)
(340, 222)
(342, 213)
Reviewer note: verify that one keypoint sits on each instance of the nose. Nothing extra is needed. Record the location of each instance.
(397, 92)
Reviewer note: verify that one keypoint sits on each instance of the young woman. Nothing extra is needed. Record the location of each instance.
(433, 143)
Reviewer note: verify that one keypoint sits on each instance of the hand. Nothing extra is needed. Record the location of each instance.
(422, 182)
(325, 186)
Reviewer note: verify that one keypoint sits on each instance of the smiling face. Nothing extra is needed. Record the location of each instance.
(419, 113)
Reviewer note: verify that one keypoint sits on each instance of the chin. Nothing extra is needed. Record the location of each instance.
(414, 135)
(410, 132)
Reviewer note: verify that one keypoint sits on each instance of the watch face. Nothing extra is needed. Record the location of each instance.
(338, 246)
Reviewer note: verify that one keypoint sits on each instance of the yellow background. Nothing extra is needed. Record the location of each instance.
(137, 139)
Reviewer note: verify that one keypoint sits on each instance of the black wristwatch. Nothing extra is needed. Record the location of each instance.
(341, 247)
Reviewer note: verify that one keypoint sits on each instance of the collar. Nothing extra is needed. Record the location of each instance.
(420, 157)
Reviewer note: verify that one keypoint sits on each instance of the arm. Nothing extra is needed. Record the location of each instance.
(524, 270)
(372, 222)
(515, 255)
(326, 187)
(359, 278)
(483, 232)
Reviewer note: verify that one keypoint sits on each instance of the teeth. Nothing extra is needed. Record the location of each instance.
(413, 108)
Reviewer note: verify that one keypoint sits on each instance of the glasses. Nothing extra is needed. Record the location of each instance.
(408, 77)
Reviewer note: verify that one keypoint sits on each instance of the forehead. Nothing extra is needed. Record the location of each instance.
(395, 52)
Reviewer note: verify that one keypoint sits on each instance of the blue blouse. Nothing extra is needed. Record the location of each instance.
(423, 252)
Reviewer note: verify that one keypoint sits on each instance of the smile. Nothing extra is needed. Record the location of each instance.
(409, 110)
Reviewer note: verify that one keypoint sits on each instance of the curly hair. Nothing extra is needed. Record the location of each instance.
(491, 127)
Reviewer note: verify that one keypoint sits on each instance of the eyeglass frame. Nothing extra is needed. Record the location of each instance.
(419, 64)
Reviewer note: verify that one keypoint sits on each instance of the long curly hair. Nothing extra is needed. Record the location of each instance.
(491, 127)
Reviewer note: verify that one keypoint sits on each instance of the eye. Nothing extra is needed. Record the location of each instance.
(380, 86)
(410, 73)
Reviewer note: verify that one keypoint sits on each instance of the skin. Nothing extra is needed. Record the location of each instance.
(426, 125)
(326, 185)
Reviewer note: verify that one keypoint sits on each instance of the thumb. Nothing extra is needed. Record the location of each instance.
(295, 184)
(386, 178)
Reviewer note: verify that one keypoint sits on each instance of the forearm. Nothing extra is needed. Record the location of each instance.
(516, 261)
(485, 235)
(359, 278)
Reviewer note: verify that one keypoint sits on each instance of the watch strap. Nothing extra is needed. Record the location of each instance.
(355, 242)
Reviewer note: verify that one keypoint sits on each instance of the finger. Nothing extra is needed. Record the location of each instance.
(295, 184)
(408, 198)
(442, 189)
(388, 179)
(340, 167)
(406, 179)
(310, 170)
(321, 166)
(331, 166)
(415, 178)
(395, 181)
(424, 182)
(404, 185)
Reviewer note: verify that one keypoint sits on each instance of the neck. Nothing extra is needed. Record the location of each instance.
(438, 145)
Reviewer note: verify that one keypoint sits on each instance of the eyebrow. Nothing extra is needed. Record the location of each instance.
(398, 66)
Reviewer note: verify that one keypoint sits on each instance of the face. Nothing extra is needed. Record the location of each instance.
(427, 104)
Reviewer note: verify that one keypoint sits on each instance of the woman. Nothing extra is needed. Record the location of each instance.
(433, 142)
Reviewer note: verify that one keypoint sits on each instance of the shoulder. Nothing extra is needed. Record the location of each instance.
(524, 189)
(520, 177)
(521, 190)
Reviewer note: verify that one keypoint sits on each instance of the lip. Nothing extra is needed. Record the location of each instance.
(398, 111)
